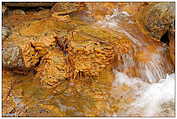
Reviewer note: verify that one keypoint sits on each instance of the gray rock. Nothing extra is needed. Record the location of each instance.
(159, 17)
(12, 57)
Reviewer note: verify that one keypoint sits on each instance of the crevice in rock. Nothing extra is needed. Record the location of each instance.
(35, 9)
(165, 38)
(37, 64)
(62, 43)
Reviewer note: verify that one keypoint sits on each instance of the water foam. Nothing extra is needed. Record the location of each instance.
(149, 97)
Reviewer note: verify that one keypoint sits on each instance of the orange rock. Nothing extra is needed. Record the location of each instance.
(87, 55)
(63, 8)
(52, 69)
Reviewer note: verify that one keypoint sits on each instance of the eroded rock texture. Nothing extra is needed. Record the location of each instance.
(52, 69)
(158, 18)
(28, 43)
(73, 60)
(89, 55)
(88, 50)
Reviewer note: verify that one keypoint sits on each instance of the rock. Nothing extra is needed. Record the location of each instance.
(52, 69)
(4, 9)
(65, 18)
(5, 32)
(42, 12)
(63, 8)
(113, 9)
(101, 11)
(19, 57)
(18, 16)
(167, 109)
(158, 18)
(31, 40)
(7, 96)
(12, 57)
(88, 55)
(171, 36)
(29, 4)
(80, 49)
(18, 12)
(37, 28)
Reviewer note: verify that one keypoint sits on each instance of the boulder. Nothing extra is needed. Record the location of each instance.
(19, 57)
(158, 18)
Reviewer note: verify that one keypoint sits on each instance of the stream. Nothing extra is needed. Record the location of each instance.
(142, 85)
(155, 86)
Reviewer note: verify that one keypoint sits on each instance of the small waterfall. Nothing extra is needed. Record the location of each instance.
(132, 38)
(157, 65)
(153, 87)
(115, 20)
(127, 61)
(152, 70)
(143, 83)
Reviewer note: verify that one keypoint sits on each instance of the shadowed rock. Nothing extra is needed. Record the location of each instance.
(28, 4)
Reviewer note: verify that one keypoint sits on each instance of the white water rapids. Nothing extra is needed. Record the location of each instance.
(150, 98)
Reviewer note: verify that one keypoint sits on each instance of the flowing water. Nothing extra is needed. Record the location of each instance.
(155, 85)
(142, 85)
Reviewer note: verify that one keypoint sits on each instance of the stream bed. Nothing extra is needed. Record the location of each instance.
(81, 60)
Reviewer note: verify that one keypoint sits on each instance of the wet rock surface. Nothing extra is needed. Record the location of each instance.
(66, 8)
(73, 60)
